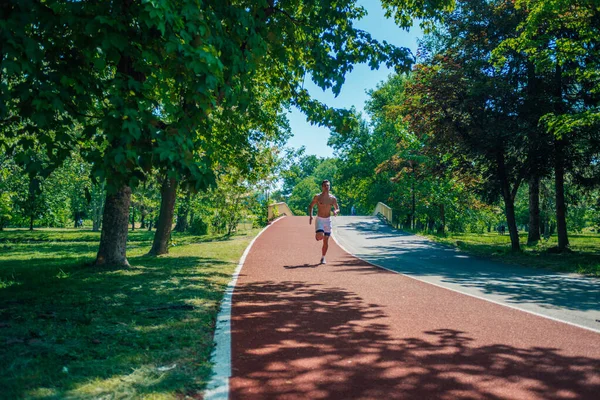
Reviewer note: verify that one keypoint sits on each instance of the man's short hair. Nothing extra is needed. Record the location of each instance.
(324, 182)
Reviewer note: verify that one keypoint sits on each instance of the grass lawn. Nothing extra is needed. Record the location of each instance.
(585, 258)
(68, 330)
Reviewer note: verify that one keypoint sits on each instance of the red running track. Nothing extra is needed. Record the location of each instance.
(349, 330)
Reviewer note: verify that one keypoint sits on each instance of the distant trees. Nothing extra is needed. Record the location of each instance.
(498, 98)
(131, 111)
(467, 107)
(142, 88)
(562, 42)
(360, 152)
(301, 178)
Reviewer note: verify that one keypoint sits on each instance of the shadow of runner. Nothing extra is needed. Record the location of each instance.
(305, 341)
(301, 266)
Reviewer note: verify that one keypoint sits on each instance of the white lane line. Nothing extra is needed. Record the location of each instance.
(218, 387)
(468, 294)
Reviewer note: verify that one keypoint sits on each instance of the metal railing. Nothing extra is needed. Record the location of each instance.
(277, 210)
(385, 211)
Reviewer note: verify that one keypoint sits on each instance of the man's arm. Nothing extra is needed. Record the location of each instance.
(336, 208)
(310, 209)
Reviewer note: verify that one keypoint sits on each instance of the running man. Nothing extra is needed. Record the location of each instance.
(324, 201)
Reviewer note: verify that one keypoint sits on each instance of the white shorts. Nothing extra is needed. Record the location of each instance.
(323, 225)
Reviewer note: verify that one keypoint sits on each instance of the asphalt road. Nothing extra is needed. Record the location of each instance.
(565, 297)
(350, 330)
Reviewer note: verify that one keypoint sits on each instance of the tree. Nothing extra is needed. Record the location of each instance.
(69, 185)
(144, 81)
(360, 151)
(302, 195)
(296, 166)
(183, 212)
(10, 181)
(326, 170)
(562, 39)
(97, 196)
(470, 107)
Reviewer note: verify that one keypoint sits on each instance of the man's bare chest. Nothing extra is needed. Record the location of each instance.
(325, 201)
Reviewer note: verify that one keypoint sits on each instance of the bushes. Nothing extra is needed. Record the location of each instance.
(198, 227)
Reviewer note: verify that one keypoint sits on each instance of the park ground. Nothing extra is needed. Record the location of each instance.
(70, 330)
(584, 257)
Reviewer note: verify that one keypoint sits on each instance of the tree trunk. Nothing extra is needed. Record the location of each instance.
(561, 208)
(96, 225)
(442, 229)
(534, 110)
(33, 183)
(132, 219)
(413, 201)
(97, 206)
(534, 211)
(191, 218)
(113, 240)
(142, 219)
(182, 215)
(559, 167)
(509, 205)
(545, 211)
(512, 224)
(165, 218)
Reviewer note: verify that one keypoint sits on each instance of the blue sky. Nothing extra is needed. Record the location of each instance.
(357, 82)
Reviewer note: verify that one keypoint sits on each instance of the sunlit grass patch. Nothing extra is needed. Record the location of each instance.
(149, 381)
(5, 283)
(68, 330)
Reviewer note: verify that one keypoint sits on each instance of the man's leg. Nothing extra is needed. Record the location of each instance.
(319, 235)
(325, 245)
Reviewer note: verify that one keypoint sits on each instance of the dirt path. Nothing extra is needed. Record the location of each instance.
(348, 330)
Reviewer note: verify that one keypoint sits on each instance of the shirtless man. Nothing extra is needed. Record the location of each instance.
(324, 201)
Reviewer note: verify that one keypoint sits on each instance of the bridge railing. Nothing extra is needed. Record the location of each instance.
(277, 210)
(384, 211)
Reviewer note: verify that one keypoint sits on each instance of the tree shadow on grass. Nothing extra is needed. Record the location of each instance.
(300, 341)
(65, 235)
(111, 329)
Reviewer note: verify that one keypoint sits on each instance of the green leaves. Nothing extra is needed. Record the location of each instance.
(428, 11)
(180, 86)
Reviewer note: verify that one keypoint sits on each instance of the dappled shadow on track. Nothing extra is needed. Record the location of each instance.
(419, 257)
(296, 340)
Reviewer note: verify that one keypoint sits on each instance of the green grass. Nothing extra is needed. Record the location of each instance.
(69, 330)
(585, 258)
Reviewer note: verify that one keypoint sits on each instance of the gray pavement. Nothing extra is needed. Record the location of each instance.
(569, 298)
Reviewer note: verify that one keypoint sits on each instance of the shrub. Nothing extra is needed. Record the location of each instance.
(198, 227)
